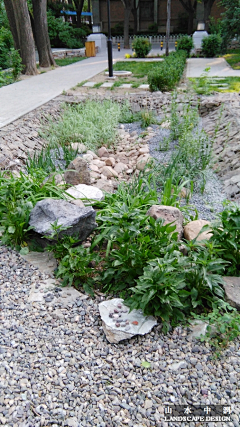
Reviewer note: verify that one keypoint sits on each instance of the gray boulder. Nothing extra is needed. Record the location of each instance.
(81, 221)
(78, 172)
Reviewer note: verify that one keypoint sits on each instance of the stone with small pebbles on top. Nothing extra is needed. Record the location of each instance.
(138, 324)
(193, 228)
(83, 191)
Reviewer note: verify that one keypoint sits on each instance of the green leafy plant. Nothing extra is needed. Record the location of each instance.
(185, 43)
(226, 235)
(211, 45)
(202, 85)
(15, 63)
(141, 46)
(168, 73)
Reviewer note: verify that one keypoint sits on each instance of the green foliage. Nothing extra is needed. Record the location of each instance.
(91, 122)
(185, 43)
(68, 61)
(202, 85)
(63, 34)
(141, 46)
(139, 69)
(211, 45)
(168, 73)
(18, 195)
(148, 117)
(224, 327)
(6, 43)
(226, 235)
(230, 21)
(44, 159)
(15, 63)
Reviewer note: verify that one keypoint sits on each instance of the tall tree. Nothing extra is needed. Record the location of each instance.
(79, 8)
(190, 6)
(20, 26)
(12, 23)
(46, 58)
(135, 13)
(207, 11)
(128, 7)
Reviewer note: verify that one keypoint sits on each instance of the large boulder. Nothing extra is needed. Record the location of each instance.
(193, 228)
(83, 191)
(232, 291)
(78, 172)
(79, 221)
(120, 324)
(169, 214)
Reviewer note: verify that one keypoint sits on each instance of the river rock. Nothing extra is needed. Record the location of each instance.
(169, 214)
(232, 291)
(79, 221)
(105, 185)
(83, 191)
(193, 228)
(137, 323)
(77, 172)
(142, 161)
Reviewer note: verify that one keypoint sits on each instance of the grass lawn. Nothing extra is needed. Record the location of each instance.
(139, 69)
(233, 84)
(233, 58)
(68, 61)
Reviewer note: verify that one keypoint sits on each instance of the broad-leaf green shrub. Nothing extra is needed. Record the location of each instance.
(6, 43)
(185, 43)
(18, 195)
(63, 34)
(141, 46)
(168, 73)
(226, 234)
(211, 45)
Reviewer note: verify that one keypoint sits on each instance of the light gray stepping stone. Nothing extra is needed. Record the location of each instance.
(89, 84)
(126, 86)
(144, 87)
(44, 261)
(107, 84)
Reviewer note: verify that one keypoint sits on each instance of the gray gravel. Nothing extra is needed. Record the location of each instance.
(57, 369)
(207, 204)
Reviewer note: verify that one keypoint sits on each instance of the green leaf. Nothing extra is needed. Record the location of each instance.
(145, 364)
(11, 229)
(24, 251)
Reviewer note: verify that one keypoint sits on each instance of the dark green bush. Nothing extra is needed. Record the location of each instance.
(63, 34)
(211, 45)
(6, 43)
(168, 73)
(185, 43)
(141, 46)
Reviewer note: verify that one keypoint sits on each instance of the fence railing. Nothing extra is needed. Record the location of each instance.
(153, 39)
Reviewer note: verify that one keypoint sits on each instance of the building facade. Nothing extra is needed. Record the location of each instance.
(149, 12)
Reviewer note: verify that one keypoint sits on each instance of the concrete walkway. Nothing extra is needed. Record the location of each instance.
(218, 67)
(22, 97)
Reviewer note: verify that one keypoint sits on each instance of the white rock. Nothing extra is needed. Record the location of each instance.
(142, 161)
(82, 191)
(115, 334)
(79, 146)
(177, 365)
(144, 150)
(94, 167)
(88, 157)
(93, 154)
(110, 161)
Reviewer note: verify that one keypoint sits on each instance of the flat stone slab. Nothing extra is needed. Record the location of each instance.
(121, 73)
(126, 86)
(120, 324)
(47, 292)
(107, 84)
(146, 87)
(89, 84)
(44, 261)
(232, 291)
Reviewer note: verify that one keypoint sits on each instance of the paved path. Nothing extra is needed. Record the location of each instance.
(22, 97)
(218, 67)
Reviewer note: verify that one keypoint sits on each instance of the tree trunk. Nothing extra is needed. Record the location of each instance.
(134, 12)
(190, 21)
(207, 11)
(41, 33)
(25, 36)
(12, 23)
(79, 5)
(127, 13)
(168, 26)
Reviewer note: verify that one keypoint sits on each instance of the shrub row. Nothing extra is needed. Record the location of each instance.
(168, 73)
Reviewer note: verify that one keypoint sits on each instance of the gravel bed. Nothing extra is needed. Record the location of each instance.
(207, 204)
(57, 369)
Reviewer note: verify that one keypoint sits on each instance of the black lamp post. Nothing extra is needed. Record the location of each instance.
(109, 43)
